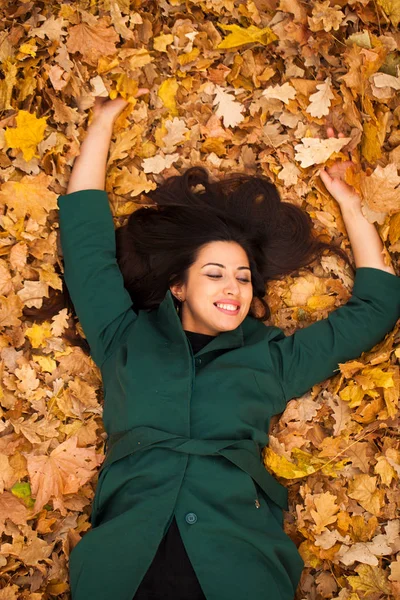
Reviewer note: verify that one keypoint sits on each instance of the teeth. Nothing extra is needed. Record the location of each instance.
(227, 306)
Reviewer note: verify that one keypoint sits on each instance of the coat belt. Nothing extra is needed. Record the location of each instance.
(244, 453)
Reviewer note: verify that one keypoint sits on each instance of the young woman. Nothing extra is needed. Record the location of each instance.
(170, 306)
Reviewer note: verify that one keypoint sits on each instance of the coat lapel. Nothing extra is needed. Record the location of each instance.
(169, 321)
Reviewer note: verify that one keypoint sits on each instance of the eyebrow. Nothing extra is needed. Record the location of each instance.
(223, 266)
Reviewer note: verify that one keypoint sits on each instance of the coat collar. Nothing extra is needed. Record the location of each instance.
(170, 322)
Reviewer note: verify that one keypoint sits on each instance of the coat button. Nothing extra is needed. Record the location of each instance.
(191, 518)
(197, 361)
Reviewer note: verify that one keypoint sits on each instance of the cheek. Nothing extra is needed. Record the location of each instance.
(200, 306)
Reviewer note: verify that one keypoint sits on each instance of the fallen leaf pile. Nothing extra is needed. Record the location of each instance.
(245, 85)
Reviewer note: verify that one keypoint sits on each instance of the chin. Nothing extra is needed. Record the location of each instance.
(227, 328)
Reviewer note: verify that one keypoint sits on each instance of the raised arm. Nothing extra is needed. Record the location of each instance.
(364, 239)
(89, 168)
(87, 235)
(312, 354)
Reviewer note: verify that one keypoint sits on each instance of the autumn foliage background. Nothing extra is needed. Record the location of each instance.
(234, 85)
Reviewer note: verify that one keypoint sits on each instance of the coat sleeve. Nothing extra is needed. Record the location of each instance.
(91, 272)
(311, 355)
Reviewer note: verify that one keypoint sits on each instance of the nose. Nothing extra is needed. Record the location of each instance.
(232, 287)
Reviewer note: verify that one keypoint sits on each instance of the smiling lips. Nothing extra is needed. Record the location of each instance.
(232, 310)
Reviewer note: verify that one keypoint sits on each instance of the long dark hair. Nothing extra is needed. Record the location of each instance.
(160, 241)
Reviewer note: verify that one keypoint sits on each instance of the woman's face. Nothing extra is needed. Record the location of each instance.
(221, 274)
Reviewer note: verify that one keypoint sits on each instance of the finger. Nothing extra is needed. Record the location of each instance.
(330, 131)
(142, 91)
(326, 178)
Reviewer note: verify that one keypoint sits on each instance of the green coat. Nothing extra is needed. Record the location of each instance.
(196, 424)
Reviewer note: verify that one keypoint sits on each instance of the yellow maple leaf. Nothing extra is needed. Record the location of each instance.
(160, 42)
(126, 87)
(167, 92)
(371, 146)
(28, 48)
(283, 467)
(391, 398)
(48, 275)
(187, 57)
(362, 530)
(307, 551)
(370, 580)
(29, 196)
(38, 334)
(47, 364)
(321, 302)
(343, 522)
(379, 377)
(27, 134)
(385, 471)
(392, 9)
(353, 394)
(306, 461)
(214, 144)
(249, 35)
(394, 228)
(305, 464)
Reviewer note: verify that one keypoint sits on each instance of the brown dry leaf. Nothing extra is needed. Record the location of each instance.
(289, 174)
(284, 92)
(33, 429)
(395, 570)
(33, 292)
(362, 63)
(92, 41)
(10, 311)
(64, 471)
(295, 7)
(363, 489)
(29, 548)
(326, 585)
(325, 16)
(13, 509)
(385, 470)
(326, 511)
(321, 100)
(381, 190)
(60, 323)
(313, 151)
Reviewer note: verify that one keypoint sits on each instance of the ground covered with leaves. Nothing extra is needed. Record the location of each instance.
(248, 86)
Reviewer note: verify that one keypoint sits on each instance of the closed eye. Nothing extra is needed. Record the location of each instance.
(218, 276)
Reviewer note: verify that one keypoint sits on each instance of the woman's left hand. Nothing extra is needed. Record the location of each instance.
(333, 179)
(107, 110)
